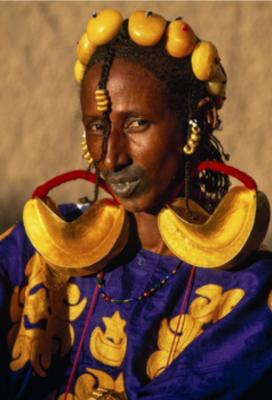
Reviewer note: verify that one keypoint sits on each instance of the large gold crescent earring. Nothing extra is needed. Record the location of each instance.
(228, 236)
(83, 246)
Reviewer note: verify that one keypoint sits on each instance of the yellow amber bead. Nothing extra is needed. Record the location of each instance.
(146, 29)
(180, 39)
(103, 27)
(79, 70)
(214, 87)
(85, 49)
(204, 61)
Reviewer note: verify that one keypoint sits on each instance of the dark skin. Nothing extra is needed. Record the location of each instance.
(143, 146)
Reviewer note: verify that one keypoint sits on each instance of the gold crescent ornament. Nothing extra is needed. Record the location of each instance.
(83, 246)
(235, 229)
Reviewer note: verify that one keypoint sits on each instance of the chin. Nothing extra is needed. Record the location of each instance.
(131, 205)
(137, 205)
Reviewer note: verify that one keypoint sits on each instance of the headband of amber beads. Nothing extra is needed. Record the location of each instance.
(146, 28)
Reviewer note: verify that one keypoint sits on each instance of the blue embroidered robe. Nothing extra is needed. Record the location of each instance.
(224, 346)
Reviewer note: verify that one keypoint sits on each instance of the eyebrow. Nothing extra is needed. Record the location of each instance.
(91, 118)
(126, 114)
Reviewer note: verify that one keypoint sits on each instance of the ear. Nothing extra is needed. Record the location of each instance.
(207, 108)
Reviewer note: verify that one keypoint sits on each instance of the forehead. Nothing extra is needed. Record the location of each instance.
(130, 85)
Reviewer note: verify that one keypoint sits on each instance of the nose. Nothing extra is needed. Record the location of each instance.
(117, 155)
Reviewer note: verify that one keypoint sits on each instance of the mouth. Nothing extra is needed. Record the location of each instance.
(124, 186)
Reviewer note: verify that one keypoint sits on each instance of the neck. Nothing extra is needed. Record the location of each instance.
(148, 233)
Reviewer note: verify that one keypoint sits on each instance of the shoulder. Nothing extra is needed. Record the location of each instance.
(15, 251)
(250, 283)
(258, 265)
(16, 248)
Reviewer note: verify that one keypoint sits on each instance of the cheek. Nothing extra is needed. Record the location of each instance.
(163, 176)
(163, 161)
(94, 144)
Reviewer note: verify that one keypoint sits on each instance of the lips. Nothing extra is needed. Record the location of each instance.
(132, 180)
(124, 186)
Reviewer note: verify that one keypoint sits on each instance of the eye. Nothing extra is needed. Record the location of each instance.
(136, 125)
(95, 128)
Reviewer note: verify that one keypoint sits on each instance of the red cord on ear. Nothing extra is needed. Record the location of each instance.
(44, 189)
(219, 167)
(227, 170)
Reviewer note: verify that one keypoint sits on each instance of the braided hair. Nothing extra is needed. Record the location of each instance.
(183, 93)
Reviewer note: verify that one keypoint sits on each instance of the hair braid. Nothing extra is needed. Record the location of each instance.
(106, 121)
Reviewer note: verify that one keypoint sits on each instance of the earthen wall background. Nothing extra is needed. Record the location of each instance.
(40, 126)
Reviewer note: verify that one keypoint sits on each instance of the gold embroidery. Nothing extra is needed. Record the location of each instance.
(204, 307)
(212, 305)
(15, 310)
(188, 330)
(109, 347)
(87, 382)
(209, 307)
(106, 381)
(228, 301)
(36, 304)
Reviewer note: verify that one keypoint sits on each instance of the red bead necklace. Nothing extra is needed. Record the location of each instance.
(100, 281)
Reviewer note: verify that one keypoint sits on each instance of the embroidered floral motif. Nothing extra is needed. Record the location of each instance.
(94, 378)
(42, 319)
(109, 347)
(210, 306)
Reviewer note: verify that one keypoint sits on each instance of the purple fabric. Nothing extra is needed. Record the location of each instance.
(230, 359)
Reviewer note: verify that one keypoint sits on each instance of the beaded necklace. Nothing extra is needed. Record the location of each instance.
(100, 281)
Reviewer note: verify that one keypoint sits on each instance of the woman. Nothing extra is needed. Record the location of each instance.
(128, 300)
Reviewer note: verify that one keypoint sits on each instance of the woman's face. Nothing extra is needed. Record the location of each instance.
(143, 162)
